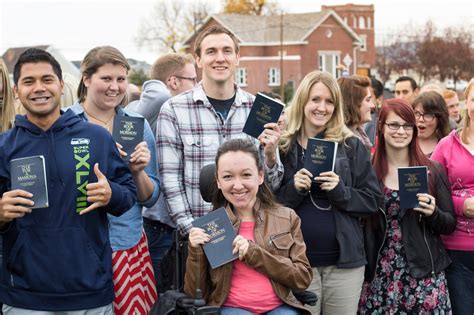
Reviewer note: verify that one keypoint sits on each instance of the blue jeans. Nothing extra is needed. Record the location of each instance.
(285, 309)
(159, 241)
(460, 277)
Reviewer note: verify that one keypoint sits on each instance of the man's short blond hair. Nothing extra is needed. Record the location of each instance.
(168, 65)
(447, 94)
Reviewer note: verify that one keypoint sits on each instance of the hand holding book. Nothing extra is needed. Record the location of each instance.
(427, 204)
(198, 237)
(328, 180)
(140, 157)
(241, 246)
(303, 179)
(15, 204)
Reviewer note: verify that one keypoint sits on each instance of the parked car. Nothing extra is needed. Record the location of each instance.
(461, 85)
(390, 85)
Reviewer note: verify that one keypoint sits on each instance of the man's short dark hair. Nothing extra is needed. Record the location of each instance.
(377, 86)
(413, 84)
(35, 55)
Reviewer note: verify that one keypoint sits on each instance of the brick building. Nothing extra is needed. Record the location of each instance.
(324, 40)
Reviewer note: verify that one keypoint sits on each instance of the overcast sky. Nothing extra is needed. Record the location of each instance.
(75, 26)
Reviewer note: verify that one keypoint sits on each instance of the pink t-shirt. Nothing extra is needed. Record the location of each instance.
(249, 289)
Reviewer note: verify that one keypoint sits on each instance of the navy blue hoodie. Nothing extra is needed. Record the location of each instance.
(53, 258)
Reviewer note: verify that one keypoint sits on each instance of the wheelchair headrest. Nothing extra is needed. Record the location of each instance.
(206, 179)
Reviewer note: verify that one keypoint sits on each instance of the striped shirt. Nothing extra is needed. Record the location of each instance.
(189, 132)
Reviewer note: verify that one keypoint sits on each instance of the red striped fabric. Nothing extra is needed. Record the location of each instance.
(134, 281)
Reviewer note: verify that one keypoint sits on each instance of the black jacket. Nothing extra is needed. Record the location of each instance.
(420, 235)
(356, 196)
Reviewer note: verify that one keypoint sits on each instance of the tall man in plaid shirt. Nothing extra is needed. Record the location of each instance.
(191, 126)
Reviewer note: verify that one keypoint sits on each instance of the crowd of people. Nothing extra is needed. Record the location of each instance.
(99, 246)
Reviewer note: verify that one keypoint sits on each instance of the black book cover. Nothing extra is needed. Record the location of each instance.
(411, 181)
(219, 248)
(29, 174)
(320, 156)
(264, 110)
(128, 131)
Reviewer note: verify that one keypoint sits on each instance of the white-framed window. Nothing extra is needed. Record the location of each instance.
(363, 38)
(345, 19)
(328, 61)
(274, 77)
(361, 22)
(369, 22)
(354, 21)
(241, 76)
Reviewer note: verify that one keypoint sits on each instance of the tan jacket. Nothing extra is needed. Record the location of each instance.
(278, 252)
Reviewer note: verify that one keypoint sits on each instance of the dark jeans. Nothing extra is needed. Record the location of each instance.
(159, 241)
(460, 277)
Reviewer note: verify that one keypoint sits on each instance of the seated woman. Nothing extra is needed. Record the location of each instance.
(406, 258)
(432, 120)
(272, 259)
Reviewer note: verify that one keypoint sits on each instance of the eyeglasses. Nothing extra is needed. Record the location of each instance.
(186, 78)
(426, 117)
(396, 126)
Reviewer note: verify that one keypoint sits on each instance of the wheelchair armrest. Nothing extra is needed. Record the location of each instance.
(185, 301)
(306, 297)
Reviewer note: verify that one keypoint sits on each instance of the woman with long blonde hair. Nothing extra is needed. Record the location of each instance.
(331, 203)
(7, 102)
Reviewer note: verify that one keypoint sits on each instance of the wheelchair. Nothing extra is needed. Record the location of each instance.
(175, 302)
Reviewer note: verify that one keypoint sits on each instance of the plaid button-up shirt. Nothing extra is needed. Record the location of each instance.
(189, 132)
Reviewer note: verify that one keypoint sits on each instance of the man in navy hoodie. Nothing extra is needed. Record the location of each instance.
(58, 258)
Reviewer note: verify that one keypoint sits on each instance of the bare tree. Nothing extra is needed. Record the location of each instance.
(170, 23)
(447, 55)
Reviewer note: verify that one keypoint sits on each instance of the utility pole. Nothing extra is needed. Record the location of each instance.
(282, 85)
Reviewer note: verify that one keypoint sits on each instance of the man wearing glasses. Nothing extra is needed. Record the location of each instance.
(171, 75)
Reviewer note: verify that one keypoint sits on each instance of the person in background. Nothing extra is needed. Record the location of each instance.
(432, 120)
(329, 204)
(133, 92)
(102, 89)
(406, 89)
(431, 87)
(70, 90)
(7, 103)
(406, 259)
(452, 103)
(272, 259)
(58, 259)
(377, 99)
(358, 105)
(456, 154)
(171, 74)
